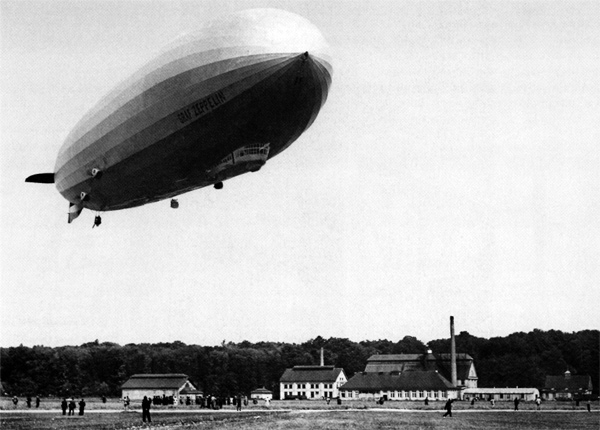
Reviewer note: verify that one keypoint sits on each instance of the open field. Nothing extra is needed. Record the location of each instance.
(115, 404)
(307, 419)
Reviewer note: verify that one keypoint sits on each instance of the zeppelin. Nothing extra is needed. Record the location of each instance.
(212, 105)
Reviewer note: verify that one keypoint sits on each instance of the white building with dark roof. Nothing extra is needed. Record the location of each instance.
(311, 382)
(412, 377)
(500, 394)
(261, 394)
(400, 363)
(408, 385)
(170, 384)
(566, 386)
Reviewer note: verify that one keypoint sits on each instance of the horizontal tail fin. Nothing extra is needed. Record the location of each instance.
(41, 178)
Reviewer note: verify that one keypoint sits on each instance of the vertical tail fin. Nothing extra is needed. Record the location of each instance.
(74, 211)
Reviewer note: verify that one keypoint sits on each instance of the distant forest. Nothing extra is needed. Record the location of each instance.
(94, 369)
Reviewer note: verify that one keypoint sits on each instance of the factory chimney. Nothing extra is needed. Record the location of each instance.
(322, 358)
(453, 353)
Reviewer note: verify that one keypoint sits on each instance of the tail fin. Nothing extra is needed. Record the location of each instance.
(74, 211)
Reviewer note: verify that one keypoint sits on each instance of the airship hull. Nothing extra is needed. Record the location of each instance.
(213, 105)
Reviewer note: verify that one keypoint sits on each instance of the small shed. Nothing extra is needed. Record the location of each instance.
(151, 385)
(261, 394)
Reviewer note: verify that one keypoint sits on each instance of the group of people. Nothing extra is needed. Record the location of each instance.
(213, 402)
(71, 406)
(15, 401)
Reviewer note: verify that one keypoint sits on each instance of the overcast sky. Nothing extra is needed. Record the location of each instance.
(454, 170)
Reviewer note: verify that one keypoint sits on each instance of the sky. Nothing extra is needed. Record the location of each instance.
(454, 170)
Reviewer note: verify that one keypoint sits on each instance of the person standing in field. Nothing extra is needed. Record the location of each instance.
(238, 402)
(448, 407)
(146, 409)
(37, 401)
(589, 405)
(72, 407)
(538, 402)
(63, 406)
(81, 406)
(516, 403)
(15, 401)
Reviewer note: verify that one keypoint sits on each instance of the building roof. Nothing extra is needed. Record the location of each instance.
(311, 374)
(190, 391)
(569, 383)
(262, 390)
(156, 381)
(387, 363)
(416, 380)
(415, 357)
(500, 390)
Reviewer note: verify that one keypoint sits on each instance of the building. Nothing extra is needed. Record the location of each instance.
(408, 385)
(500, 394)
(442, 363)
(171, 384)
(261, 394)
(192, 393)
(566, 386)
(414, 376)
(311, 382)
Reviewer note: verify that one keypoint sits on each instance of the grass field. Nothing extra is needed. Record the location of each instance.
(94, 403)
(304, 415)
(305, 419)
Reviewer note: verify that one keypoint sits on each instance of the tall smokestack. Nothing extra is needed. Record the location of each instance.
(322, 358)
(453, 353)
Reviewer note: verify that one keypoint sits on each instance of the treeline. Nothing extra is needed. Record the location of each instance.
(94, 369)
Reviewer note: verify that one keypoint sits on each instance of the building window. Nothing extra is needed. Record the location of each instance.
(411, 394)
(421, 394)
